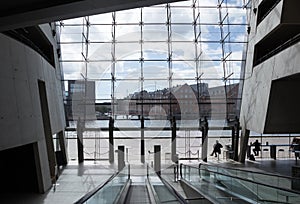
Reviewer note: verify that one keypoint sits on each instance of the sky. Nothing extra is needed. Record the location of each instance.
(141, 57)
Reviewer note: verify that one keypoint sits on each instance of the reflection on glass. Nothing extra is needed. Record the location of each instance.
(109, 192)
(156, 63)
(162, 192)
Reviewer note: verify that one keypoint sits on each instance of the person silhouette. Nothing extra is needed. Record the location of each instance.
(216, 149)
(256, 149)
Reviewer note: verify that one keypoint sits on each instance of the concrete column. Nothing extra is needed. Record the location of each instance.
(142, 140)
(244, 144)
(157, 159)
(204, 129)
(173, 142)
(234, 142)
(121, 158)
(47, 127)
(111, 140)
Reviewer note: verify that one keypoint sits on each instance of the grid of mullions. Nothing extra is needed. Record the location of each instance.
(156, 47)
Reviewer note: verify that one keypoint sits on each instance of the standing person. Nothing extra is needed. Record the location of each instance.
(216, 149)
(256, 149)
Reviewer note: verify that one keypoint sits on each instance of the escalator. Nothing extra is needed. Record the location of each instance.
(225, 185)
(137, 194)
(202, 184)
(122, 188)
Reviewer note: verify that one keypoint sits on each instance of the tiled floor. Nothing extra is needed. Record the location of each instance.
(279, 166)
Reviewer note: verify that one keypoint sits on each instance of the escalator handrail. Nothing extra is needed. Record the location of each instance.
(152, 194)
(249, 171)
(94, 191)
(121, 198)
(247, 180)
(277, 176)
(167, 185)
(172, 190)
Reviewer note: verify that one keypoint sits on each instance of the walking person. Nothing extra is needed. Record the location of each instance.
(256, 149)
(216, 149)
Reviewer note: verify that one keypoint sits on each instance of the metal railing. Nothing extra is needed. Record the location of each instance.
(275, 180)
(214, 185)
(110, 191)
(162, 190)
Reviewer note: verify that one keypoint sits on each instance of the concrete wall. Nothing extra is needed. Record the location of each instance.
(20, 111)
(258, 79)
(268, 24)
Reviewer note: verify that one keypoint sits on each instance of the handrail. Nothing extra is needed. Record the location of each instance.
(152, 194)
(172, 190)
(94, 191)
(167, 185)
(90, 194)
(124, 191)
(250, 171)
(247, 180)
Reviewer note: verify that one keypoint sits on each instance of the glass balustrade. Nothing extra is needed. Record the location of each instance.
(214, 182)
(161, 191)
(279, 181)
(111, 191)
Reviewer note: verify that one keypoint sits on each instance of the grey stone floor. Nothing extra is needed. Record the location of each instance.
(74, 182)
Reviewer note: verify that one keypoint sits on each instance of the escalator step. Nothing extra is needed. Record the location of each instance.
(138, 194)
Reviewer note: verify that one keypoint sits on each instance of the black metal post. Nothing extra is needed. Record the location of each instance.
(128, 171)
(147, 170)
(174, 171)
(236, 156)
(235, 139)
(173, 142)
(204, 129)
(142, 140)
(232, 155)
(111, 140)
(181, 170)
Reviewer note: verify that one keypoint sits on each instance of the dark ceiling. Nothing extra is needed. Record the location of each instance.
(21, 13)
(16, 7)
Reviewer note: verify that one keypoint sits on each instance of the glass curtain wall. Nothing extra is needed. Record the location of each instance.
(181, 61)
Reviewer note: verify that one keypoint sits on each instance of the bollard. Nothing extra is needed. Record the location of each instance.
(121, 161)
(128, 171)
(157, 159)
